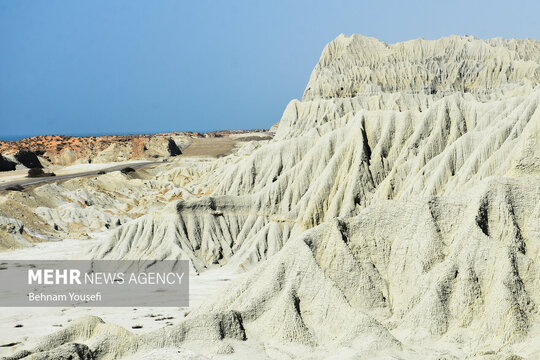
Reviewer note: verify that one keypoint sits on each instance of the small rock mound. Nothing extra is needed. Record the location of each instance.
(174, 150)
(28, 159)
(6, 165)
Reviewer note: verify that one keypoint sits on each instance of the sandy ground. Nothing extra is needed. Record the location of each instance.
(220, 146)
(22, 326)
(211, 147)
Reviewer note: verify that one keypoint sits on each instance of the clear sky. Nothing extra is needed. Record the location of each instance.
(141, 66)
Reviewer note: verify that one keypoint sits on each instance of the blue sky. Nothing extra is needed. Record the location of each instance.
(132, 66)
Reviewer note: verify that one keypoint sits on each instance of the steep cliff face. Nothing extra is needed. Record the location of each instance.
(395, 212)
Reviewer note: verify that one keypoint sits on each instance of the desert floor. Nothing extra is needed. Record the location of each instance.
(39, 321)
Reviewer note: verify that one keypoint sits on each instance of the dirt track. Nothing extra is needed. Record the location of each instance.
(213, 147)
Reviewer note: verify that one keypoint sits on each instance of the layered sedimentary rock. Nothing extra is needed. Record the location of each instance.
(395, 213)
